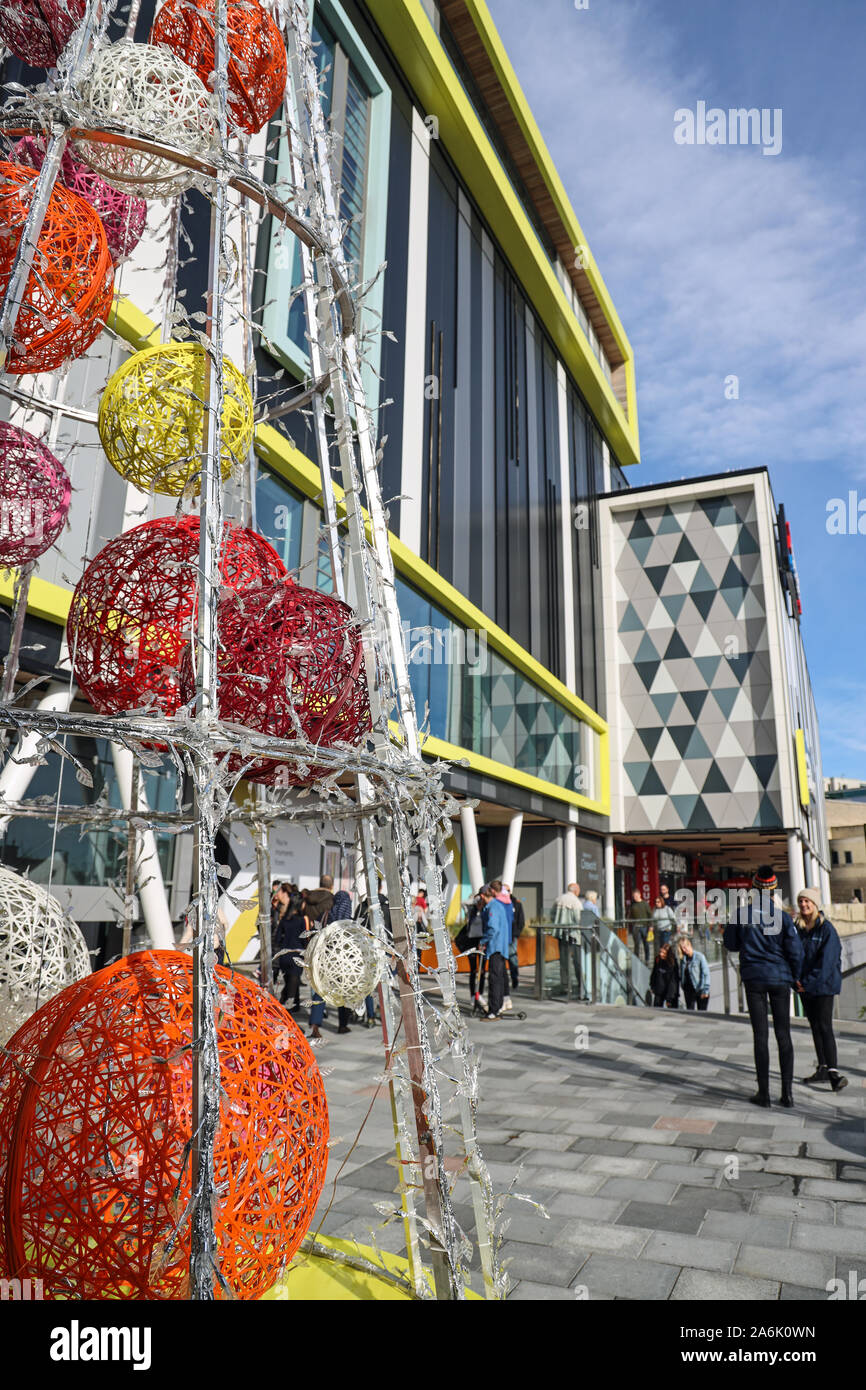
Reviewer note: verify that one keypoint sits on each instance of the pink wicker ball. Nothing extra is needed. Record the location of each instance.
(37, 31)
(34, 497)
(291, 664)
(122, 216)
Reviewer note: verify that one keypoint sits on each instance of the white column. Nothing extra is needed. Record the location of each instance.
(18, 772)
(609, 882)
(415, 336)
(471, 852)
(569, 850)
(809, 865)
(512, 849)
(796, 866)
(151, 889)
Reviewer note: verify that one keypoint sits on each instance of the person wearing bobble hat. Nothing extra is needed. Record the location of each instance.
(771, 959)
(819, 982)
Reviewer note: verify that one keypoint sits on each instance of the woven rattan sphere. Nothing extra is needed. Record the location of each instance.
(37, 31)
(291, 664)
(154, 95)
(41, 949)
(257, 54)
(95, 1116)
(133, 612)
(343, 964)
(69, 290)
(34, 497)
(152, 418)
(122, 217)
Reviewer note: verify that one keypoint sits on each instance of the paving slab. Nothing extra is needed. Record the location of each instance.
(610, 1276)
(702, 1286)
(693, 1251)
(666, 1218)
(760, 1230)
(812, 1270)
(541, 1265)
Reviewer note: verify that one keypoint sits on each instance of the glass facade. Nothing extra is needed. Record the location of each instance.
(30, 846)
(470, 696)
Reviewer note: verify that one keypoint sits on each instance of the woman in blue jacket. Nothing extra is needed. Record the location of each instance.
(819, 983)
(771, 958)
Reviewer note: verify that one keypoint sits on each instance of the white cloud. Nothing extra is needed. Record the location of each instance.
(720, 261)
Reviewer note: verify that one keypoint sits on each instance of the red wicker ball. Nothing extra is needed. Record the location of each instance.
(34, 497)
(257, 54)
(291, 664)
(37, 31)
(133, 613)
(95, 1116)
(122, 217)
(69, 290)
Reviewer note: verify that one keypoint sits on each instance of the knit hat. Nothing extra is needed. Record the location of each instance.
(814, 896)
(765, 878)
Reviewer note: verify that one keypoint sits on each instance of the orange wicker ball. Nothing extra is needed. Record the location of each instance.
(70, 287)
(257, 54)
(95, 1116)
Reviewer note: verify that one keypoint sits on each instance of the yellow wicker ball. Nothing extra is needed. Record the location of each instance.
(152, 418)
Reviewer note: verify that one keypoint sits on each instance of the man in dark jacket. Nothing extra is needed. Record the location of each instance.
(640, 916)
(771, 958)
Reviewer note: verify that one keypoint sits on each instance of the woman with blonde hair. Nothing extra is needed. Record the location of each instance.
(819, 983)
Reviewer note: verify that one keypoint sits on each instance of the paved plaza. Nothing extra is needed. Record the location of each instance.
(659, 1180)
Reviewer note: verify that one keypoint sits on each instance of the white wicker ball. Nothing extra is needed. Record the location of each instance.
(343, 963)
(150, 93)
(41, 949)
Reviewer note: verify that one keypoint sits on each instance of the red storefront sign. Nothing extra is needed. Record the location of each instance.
(647, 872)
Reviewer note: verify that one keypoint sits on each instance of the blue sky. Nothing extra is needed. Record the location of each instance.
(724, 261)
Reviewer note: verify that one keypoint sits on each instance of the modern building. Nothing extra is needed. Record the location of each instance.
(846, 822)
(567, 633)
(714, 734)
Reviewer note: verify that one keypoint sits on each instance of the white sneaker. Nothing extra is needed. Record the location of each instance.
(507, 1005)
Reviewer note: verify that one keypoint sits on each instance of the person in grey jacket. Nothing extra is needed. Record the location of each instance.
(694, 975)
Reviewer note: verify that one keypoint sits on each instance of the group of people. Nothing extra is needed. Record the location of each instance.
(661, 918)
(779, 953)
(494, 921)
(295, 915)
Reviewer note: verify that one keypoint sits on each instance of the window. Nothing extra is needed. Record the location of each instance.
(471, 697)
(357, 105)
(834, 858)
(849, 857)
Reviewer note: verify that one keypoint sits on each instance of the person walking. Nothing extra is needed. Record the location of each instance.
(819, 983)
(495, 940)
(665, 979)
(502, 895)
(469, 943)
(517, 924)
(341, 911)
(291, 941)
(566, 913)
(317, 904)
(694, 975)
(640, 916)
(771, 958)
(664, 923)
